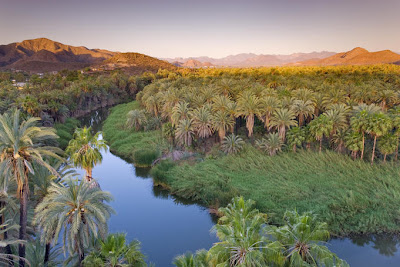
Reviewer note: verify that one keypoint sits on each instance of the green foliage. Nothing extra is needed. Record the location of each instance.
(85, 149)
(65, 131)
(232, 144)
(351, 196)
(145, 157)
(159, 171)
(115, 251)
(124, 142)
(78, 211)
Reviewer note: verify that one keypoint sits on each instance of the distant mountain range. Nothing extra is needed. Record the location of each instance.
(251, 60)
(43, 55)
(357, 56)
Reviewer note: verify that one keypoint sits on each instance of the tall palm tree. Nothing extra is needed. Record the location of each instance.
(269, 104)
(115, 251)
(78, 211)
(135, 118)
(202, 122)
(22, 144)
(248, 105)
(379, 124)
(222, 122)
(302, 236)
(387, 145)
(359, 120)
(282, 119)
(321, 127)
(36, 252)
(185, 132)
(85, 150)
(303, 109)
(179, 112)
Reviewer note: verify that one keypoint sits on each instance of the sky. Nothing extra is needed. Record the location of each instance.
(172, 28)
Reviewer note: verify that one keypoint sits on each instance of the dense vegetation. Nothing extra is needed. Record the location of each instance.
(246, 239)
(55, 97)
(277, 126)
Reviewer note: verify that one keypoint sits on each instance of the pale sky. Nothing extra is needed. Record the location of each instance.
(172, 28)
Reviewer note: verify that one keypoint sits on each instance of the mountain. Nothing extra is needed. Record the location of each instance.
(135, 62)
(42, 55)
(356, 56)
(253, 60)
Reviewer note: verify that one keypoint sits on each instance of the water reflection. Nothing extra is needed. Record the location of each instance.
(385, 244)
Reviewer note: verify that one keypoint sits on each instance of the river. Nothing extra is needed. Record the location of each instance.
(167, 226)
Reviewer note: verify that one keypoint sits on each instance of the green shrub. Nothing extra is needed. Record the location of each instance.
(145, 157)
(159, 171)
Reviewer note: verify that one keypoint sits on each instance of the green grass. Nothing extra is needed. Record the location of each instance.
(351, 196)
(66, 131)
(127, 143)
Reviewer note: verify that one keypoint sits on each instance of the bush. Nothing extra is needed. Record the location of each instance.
(159, 171)
(145, 157)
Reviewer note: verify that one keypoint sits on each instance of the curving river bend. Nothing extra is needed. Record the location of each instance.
(167, 226)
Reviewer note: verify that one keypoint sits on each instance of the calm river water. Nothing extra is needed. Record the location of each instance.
(167, 226)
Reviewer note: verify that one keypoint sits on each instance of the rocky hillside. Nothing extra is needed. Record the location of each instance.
(356, 56)
(43, 55)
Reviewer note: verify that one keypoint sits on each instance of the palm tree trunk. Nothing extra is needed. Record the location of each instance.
(363, 144)
(384, 158)
(373, 151)
(320, 145)
(294, 148)
(81, 258)
(23, 219)
(397, 150)
(88, 174)
(47, 253)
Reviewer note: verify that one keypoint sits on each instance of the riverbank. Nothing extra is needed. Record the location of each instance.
(353, 197)
(140, 147)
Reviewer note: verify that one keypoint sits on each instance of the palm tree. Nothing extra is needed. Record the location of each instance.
(242, 242)
(269, 104)
(359, 120)
(248, 105)
(78, 211)
(302, 236)
(283, 118)
(168, 131)
(303, 109)
(185, 132)
(135, 118)
(9, 259)
(200, 259)
(22, 143)
(386, 97)
(202, 122)
(387, 145)
(232, 144)
(272, 144)
(179, 112)
(115, 251)
(379, 124)
(85, 150)
(354, 142)
(222, 122)
(295, 137)
(338, 113)
(320, 127)
(36, 253)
